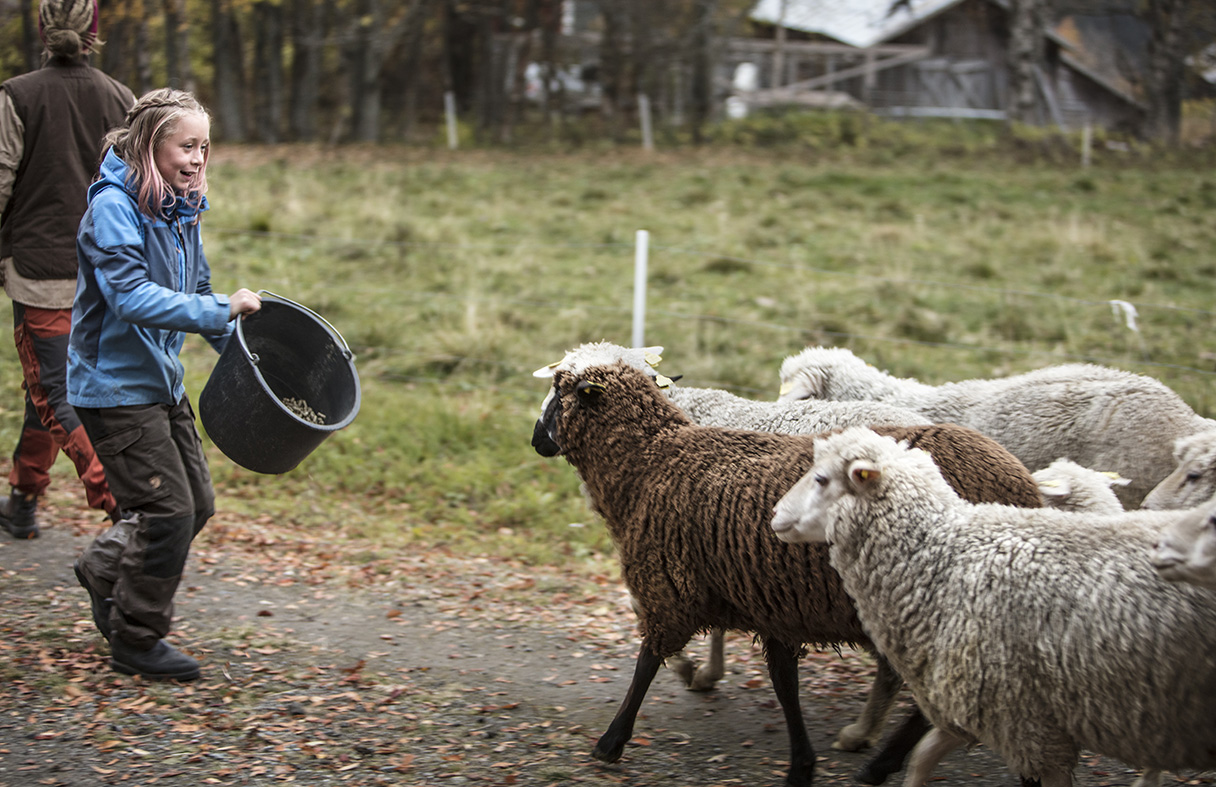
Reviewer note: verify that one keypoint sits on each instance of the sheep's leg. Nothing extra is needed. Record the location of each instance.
(1150, 778)
(783, 672)
(712, 671)
(612, 743)
(1051, 779)
(928, 753)
(705, 676)
(866, 730)
(895, 747)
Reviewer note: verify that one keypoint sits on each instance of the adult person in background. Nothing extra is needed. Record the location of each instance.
(52, 123)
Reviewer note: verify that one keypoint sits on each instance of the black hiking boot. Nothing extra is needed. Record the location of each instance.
(99, 603)
(17, 515)
(161, 662)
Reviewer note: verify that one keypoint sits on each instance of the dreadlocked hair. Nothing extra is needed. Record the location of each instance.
(68, 27)
(153, 119)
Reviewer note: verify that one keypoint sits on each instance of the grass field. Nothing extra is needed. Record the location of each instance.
(453, 275)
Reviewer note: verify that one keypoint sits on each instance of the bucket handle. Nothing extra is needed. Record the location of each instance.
(350, 356)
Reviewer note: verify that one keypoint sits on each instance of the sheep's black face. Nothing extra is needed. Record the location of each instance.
(544, 434)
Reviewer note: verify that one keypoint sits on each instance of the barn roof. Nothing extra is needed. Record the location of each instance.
(1104, 42)
(859, 23)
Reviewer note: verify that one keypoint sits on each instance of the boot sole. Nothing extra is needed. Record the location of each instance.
(20, 533)
(118, 666)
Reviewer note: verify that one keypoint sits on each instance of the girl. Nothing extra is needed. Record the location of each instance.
(143, 282)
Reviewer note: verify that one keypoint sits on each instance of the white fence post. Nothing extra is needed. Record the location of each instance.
(641, 250)
(449, 110)
(644, 116)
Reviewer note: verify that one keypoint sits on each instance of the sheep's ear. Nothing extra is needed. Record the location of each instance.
(589, 391)
(547, 371)
(1116, 479)
(1055, 488)
(864, 474)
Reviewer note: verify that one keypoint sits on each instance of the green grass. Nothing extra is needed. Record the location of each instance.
(454, 275)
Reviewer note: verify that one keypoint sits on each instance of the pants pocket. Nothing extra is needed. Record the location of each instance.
(135, 474)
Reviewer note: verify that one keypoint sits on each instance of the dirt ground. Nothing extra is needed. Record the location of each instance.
(329, 665)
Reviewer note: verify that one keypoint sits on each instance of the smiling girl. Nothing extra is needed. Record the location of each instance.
(143, 283)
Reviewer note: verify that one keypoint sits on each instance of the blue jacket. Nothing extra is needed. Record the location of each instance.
(142, 283)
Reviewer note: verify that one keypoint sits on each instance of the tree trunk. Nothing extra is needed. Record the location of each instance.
(117, 38)
(413, 58)
(373, 38)
(1166, 69)
(268, 70)
(143, 60)
(643, 50)
(30, 44)
(702, 66)
(229, 72)
(490, 77)
(177, 46)
(306, 27)
(612, 65)
(363, 62)
(1026, 54)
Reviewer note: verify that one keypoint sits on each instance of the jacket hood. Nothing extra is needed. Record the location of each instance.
(115, 172)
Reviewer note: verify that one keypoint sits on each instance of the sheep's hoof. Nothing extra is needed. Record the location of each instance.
(683, 667)
(852, 738)
(608, 754)
(703, 680)
(870, 774)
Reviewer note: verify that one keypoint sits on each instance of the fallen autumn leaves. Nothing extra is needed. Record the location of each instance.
(334, 664)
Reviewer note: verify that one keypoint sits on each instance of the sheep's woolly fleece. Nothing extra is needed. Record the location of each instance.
(716, 407)
(1105, 419)
(687, 507)
(1038, 633)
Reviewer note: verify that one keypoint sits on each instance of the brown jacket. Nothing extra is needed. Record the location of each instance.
(65, 109)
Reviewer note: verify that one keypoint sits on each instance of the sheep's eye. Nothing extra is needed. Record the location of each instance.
(1193, 475)
(821, 479)
(1212, 521)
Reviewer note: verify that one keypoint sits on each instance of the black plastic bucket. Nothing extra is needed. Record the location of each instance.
(285, 381)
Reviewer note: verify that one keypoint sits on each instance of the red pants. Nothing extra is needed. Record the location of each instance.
(50, 425)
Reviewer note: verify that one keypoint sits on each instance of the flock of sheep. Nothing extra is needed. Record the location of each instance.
(1040, 615)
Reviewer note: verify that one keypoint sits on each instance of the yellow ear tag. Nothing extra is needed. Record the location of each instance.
(1110, 475)
(785, 388)
(661, 381)
(1050, 484)
(652, 359)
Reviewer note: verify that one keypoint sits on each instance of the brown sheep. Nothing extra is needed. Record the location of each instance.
(688, 510)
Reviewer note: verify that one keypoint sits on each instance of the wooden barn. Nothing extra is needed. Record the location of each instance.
(940, 58)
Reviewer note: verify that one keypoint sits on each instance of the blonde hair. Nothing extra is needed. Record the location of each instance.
(154, 118)
(68, 27)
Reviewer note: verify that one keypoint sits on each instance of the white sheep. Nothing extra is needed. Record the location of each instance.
(1193, 481)
(716, 407)
(1036, 632)
(1096, 416)
(1068, 486)
(1186, 549)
